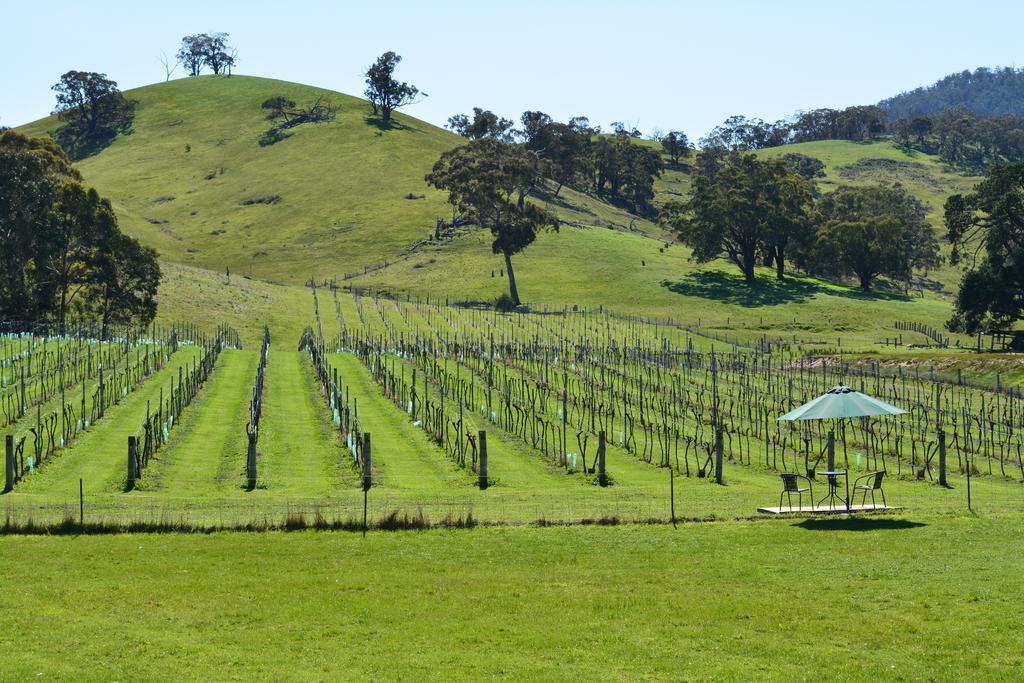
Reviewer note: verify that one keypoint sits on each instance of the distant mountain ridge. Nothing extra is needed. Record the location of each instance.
(984, 91)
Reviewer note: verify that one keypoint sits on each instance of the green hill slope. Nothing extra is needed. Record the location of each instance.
(183, 180)
(345, 194)
(179, 180)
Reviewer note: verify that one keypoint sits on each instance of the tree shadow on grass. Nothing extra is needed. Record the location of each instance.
(732, 289)
(382, 126)
(858, 524)
(80, 147)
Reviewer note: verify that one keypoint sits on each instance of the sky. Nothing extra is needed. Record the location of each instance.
(653, 65)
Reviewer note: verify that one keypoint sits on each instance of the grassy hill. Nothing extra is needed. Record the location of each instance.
(345, 194)
(179, 180)
(348, 195)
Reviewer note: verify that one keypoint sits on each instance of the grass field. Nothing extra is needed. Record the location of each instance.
(909, 598)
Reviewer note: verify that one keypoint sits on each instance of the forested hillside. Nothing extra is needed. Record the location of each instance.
(984, 91)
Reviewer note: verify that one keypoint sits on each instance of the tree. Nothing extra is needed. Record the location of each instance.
(619, 128)
(533, 123)
(743, 207)
(216, 53)
(277, 107)
(565, 147)
(280, 107)
(740, 134)
(30, 170)
(628, 170)
(192, 55)
(710, 161)
(169, 66)
(864, 246)
(55, 237)
(91, 103)
(384, 92)
(207, 49)
(790, 206)
(853, 222)
(807, 166)
(126, 283)
(676, 145)
(81, 223)
(986, 229)
(985, 92)
(484, 123)
(920, 126)
(489, 181)
(640, 166)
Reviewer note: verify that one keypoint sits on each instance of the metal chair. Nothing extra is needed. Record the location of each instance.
(791, 485)
(873, 482)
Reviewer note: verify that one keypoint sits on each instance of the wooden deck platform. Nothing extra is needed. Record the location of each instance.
(826, 510)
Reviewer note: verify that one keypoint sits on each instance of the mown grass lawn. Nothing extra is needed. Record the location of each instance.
(915, 598)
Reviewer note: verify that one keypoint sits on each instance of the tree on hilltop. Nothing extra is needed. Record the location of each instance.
(207, 50)
(483, 124)
(217, 54)
(191, 56)
(385, 92)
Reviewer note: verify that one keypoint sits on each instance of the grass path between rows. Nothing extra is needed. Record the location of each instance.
(511, 461)
(206, 453)
(403, 455)
(298, 452)
(99, 455)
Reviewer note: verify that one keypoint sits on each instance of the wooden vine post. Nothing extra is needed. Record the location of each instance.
(250, 461)
(9, 463)
(483, 459)
(602, 475)
(133, 470)
(367, 474)
(942, 458)
(719, 457)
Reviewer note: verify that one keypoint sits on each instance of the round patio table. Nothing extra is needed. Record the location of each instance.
(833, 485)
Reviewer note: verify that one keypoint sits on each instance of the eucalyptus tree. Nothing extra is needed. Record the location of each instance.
(489, 181)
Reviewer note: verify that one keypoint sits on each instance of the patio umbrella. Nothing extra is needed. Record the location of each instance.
(838, 403)
(841, 402)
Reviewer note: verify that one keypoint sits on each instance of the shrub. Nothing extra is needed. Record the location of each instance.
(505, 304)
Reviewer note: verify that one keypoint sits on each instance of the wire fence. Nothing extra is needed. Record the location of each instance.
(680, 499)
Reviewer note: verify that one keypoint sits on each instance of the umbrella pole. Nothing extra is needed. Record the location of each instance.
(831, 450)
(846, 458)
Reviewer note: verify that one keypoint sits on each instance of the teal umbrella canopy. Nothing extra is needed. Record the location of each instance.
(841, 402)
